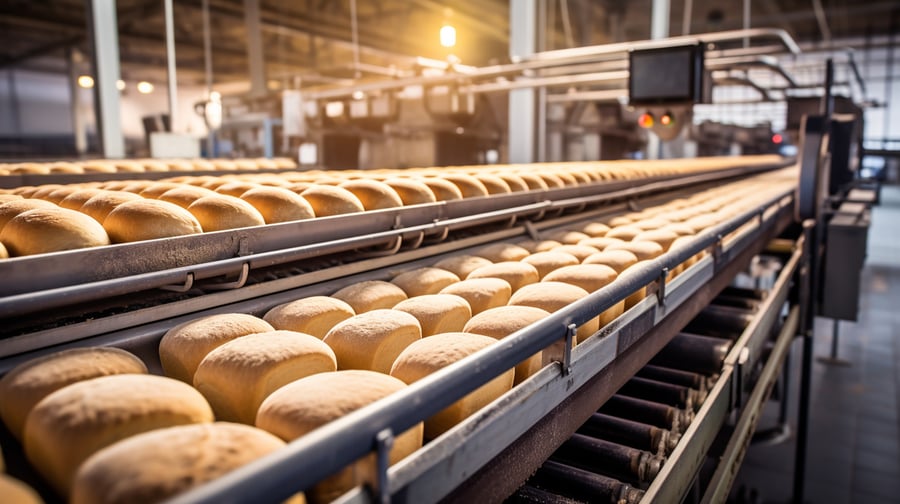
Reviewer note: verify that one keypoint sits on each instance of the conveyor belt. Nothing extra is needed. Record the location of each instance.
(501, 432)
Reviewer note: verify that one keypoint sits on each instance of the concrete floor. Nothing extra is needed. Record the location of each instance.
(854, 443)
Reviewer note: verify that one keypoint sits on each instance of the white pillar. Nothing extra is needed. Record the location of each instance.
(522, 113)
(105, 29)
(659, 28)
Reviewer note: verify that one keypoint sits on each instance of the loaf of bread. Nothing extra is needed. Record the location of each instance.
(518, 274)
(493, 183)
(185, 195)
(500, 252)
(469, 186)
(26, 384)
(158, 465)
(535, 246)
(502, 321)
(595, 229)
(651, 223)
(307, 404)
(462, 265)
(373, 340)
(428, 355)
(567, 237)
(437, 313)
(618, 260)
(411, 191)
(217, 213)
(148, 219)
(599, 242)
(277, 204)
(372, 194)
(10, 209)
(14, 491)
(76, 199)
(370, 295)
(545, 262)
(44, 230)
(314, 315)
(330, 200)
(515, 182)
(443, 190)
(421, 281)
(235, 188)
(157, 189)
(534, 182)
(625, 233)
(71, 424)
(590, 277)
(3, 253)
(581, 252)
(663, 237)
(185, 345)
(481, 293)
(643, 250)
(238, 375)
(551, 296)
(100, 205)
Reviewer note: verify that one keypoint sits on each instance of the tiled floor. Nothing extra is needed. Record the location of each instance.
(854, 443)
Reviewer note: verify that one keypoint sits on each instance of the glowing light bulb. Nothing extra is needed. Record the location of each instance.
(85, 81)
(448, 36)
(144, 87)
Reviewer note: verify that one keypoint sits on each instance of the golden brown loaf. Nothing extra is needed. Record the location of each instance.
(545, 262)
(535, 246)
(421, 281)
(17, 492)
(372, 340)
(100, 205)
(147, 219)
(568, 237)
(437, 313)
(46, 230)
(185, 345)
(372, 194)
(237, 376)
(481, 293)
(12, 208)
(304, 405)
(581, 252)
(217, 213)
(493, 183)
(499, 252)
(462, 265)
(589, 277)
(600, 242)
(411, 191)
(185, 195)
(443, 190)
(663, 237)
(277, 204)
(428, 355)
(29, 382)
(643, 250)
(330, 200)
(370, 295)
(502, 321)
(469, 186)
(618, 260)
(158, 465)
(71, 424)
(518, 274)
(552, 296)
(595, 229)
(625, 233)
(314, 315)
(3, 253)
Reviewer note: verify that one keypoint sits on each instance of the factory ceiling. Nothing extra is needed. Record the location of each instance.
(311, 41)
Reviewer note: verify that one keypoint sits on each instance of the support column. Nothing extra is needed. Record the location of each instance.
(104, 28)
(78, 126)
(255, 48)
(171, 74)
(522, 36)
(659, 29)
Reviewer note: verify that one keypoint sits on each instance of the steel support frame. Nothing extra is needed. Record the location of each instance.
(522, 102)
(104, 30)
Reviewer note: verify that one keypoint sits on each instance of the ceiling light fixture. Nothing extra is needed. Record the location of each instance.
(144, 87)
(448, 35)
(85, 81)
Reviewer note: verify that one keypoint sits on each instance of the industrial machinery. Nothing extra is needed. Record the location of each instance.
(657, 405)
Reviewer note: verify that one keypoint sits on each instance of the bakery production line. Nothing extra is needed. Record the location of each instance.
(651, 384)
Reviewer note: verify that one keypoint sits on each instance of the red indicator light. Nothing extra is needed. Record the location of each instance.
(645, 121)
(777, 138)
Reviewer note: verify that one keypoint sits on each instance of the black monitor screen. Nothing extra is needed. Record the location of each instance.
(666, 75)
